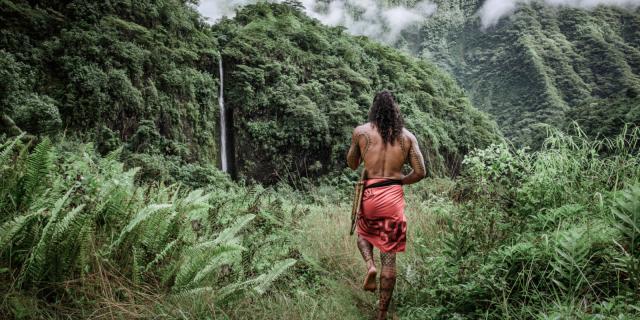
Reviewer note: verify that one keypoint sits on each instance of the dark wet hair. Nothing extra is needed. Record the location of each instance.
(385, 116)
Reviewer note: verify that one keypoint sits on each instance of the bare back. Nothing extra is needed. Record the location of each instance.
(385, 160)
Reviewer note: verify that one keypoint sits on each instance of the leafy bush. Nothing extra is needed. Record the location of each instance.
(549, 234)
(139, 73)
(38, 115)
(67, 213)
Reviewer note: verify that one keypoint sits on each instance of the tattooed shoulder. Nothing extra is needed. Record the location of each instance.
(361, 132)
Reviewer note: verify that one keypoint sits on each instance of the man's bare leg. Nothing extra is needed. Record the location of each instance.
(387, 282)
(366, 249)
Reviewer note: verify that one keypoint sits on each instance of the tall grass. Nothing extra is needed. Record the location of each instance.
(548, 234)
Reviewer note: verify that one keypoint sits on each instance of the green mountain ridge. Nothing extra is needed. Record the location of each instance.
(543, 64)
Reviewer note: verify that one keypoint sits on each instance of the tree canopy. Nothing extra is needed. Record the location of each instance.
(145, 74)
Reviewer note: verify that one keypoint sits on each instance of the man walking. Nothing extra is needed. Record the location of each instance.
(385, 146)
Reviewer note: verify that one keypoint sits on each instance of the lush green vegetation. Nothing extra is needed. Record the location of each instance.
(111, 203)
(145, 75)
(542, 65)
(298, 89)
(73, 219)
(551, 234)
(133, 73)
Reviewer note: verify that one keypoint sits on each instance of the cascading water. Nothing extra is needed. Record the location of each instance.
(223, 121)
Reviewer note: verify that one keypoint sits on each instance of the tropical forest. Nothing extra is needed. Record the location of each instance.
(187, 159)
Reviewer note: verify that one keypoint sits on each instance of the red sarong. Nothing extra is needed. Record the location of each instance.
(381, 220)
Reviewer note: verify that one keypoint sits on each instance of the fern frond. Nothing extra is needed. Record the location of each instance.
(12, 229)
(195, 197)
(39, 164)
(63, 229)
(60, 202)
(571, 257)
(196, 203)
(220, 293)
(151, 235)
(195, 292)
(195, 260)
(5, 154)
(218, 259)
(162, 254)
(224, 292)
(128, 178)
(626, 211)
(229, 233)
(136, 272)
(34, 266)
(115, 202)
(176, 192)
(85, 249)
(116, 195)
(265, 280)
(113, 155)
(141, 216)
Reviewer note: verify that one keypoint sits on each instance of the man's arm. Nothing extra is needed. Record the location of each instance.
(354, 157)
(416, 161)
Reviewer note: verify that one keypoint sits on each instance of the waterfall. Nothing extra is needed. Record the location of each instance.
(223, 121)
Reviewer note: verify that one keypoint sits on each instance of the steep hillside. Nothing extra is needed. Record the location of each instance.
(117, 72)
(145, 74)
(542, 65)
(297, 88)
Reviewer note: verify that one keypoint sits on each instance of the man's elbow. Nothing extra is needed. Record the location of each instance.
(353, 164)
(422, 174)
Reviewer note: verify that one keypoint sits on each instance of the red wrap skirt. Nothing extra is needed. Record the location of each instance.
(381, 220)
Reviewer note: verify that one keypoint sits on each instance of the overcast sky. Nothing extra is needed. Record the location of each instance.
(494, 10)
(377, 21)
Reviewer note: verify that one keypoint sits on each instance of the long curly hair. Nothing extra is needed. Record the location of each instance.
(385, 116)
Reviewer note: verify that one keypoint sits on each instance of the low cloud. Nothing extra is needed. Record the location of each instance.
(361, 17)
(494, 10)
(216, 9)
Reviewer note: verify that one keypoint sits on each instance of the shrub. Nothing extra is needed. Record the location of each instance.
(551, 233)
(68, 213)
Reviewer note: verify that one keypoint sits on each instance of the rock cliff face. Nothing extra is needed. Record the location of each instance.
(541, 65)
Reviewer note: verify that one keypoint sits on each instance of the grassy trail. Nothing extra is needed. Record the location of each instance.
(324, 239)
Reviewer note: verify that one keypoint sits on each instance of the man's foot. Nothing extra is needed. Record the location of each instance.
(370, 280)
